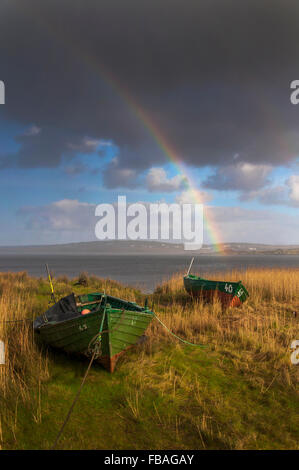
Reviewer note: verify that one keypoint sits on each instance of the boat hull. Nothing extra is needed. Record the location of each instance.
(108, 332)
(230, 294)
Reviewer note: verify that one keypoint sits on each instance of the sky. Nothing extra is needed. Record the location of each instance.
(154, 100)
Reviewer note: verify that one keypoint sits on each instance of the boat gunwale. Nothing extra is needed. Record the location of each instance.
(93, 315)
(236, 284)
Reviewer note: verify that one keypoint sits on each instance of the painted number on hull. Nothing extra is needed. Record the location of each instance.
(228, 288)
(82, 327)
(240, 293)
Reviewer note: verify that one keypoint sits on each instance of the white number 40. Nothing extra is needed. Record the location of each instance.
(228, 288)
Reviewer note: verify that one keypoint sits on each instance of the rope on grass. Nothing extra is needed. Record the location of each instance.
(74, 402)
(91, 361)
(177, 337)
(95, 353)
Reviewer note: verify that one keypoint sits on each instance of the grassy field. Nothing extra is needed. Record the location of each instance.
(239, 392)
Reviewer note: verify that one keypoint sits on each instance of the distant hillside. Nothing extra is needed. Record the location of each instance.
(125, 247)
(119, 247)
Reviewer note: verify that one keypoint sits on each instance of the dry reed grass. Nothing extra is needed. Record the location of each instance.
(25, 367)
(255, 338)
(260, 331)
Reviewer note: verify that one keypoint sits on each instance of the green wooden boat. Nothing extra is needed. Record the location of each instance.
(230, 294)
(112, 326)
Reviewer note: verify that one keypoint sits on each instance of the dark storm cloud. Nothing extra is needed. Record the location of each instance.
(213, 76)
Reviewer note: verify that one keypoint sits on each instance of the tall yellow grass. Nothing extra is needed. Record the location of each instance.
(262, 284)
(256, 337)
(261, 330)
(25, 367)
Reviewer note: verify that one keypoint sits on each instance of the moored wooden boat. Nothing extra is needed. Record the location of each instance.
(112, 326)
(230, 294)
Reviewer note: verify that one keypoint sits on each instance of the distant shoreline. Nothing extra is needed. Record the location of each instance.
(146, 270)
(152, 248)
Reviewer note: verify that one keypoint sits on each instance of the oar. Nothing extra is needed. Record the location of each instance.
(80, 304)
(190, 266)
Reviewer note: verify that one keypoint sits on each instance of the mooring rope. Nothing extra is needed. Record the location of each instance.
(95, 352)
(98, 335)
(74, 401)
(177, 337)
(92, 359)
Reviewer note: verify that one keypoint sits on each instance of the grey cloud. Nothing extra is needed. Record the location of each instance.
(274, 195)
(284, 195)
(38, 149)
(187, 197)
(114, 176)
(239, 176)
(32, 130)
(255, 226)
(62, 216)
(157, 181)
(75, 218)
(87, 145)
(212, 76)
(293, 185)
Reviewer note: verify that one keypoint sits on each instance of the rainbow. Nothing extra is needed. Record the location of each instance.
(157, 135)
(168, 150)
(173, 158)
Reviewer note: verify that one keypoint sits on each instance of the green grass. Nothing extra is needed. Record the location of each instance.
(240, 392)
(187, 400)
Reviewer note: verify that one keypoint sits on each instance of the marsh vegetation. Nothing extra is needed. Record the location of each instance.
(238, 392)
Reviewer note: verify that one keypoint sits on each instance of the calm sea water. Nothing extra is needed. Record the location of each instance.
(143, 271)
